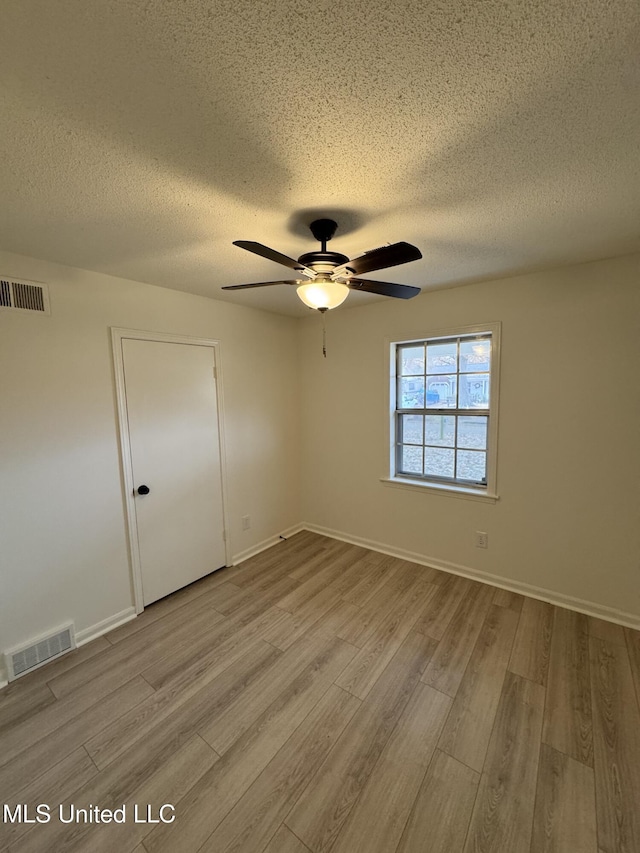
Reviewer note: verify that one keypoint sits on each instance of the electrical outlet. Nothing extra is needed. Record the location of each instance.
(246, 522)
(482, 539)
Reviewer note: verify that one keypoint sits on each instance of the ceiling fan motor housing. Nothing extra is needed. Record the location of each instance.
(323, 262)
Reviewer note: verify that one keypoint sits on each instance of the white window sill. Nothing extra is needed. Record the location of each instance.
(441, 489)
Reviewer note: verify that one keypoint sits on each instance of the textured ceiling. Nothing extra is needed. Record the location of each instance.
(140, 137)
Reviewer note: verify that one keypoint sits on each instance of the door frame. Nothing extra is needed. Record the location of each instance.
(126, 463)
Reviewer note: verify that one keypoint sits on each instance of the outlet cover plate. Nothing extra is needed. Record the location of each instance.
(482, 539)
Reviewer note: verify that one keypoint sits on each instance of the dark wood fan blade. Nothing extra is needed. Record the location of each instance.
(380, 259)
(259, 284)
(383, 288)
(272, 255)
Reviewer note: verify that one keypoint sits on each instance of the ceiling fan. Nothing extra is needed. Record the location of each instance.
(332, 274)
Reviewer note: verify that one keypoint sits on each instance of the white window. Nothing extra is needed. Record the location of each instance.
(444, 410)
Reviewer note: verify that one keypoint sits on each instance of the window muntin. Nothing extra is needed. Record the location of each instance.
(443, 393)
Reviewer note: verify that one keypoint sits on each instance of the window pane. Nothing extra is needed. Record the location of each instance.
(411, 393)
(472, 465)
(472, 432)
(411, 360)
(440, 430)
(438, 462)
(442, 358)
(474, 391)
(441, 392)
(475, 355)
(411, 460)
(411, 429)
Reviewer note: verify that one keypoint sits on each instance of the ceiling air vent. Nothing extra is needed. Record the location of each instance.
(23, 295)
(22, 660)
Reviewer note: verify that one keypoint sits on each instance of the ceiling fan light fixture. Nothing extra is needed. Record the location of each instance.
(323, 295)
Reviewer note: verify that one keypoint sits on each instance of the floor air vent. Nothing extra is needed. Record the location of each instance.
(23, 295)
(22, 660)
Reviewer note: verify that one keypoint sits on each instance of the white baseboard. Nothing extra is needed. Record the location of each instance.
(266, 543)
(591, 608)
(3, 684)
(100, 628)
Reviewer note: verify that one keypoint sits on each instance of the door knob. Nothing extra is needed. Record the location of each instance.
(143, 490)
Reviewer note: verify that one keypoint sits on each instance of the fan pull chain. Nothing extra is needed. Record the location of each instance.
(324, 335)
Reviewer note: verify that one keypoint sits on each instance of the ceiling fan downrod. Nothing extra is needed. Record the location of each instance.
(323, 230)
(323, 261)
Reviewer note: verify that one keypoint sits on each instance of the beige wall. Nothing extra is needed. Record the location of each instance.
(568, 518)
(63, 549)
(568, 470)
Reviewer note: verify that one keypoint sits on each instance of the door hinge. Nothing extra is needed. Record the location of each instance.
(215, 374)
(224, 535)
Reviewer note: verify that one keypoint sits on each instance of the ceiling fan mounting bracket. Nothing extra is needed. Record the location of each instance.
(323, 229)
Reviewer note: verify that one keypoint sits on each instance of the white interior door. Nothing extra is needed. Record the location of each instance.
(172, 417)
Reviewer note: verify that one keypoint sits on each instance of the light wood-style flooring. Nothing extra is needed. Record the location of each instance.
(322, 697)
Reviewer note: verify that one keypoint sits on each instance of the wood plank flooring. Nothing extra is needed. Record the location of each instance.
(323, 698)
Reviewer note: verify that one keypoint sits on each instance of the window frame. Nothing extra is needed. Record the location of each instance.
(446, 486)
